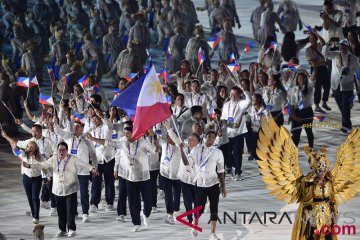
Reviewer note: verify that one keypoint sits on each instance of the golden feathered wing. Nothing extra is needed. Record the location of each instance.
(278, 160)
(346, 171)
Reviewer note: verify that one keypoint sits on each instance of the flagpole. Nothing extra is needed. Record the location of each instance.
(176, 128)
(8, 110)
(198, 69)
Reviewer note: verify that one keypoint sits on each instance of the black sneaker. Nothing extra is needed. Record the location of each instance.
(344, 130)
(326, 107)
(318, 109)
(251, 158)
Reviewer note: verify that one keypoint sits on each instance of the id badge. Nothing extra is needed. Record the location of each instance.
(73, 151)
(230, 119)
(301, 105)
(167, 159)
(269, 107)
(158, 131)
(43, 155)
(61, 178)
(114, 136)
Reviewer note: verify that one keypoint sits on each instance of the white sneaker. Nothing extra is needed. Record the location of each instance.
(120, 218)
(71, 233)
(61, 234)
(85, 218)
(35, 221)
(233, 173)
(194, 233)
(237, 177)
(109, 208)
(161, 194)
(213, 236)
(45, 205)
(28, 213)
(145, 219)
(53, 212)
(93, 209)
(170, 219)
(153, 210)
(136, 228)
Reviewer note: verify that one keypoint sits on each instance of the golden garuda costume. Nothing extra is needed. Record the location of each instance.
(319, 192)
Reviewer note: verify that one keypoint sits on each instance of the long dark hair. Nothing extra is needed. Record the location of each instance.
(289, 47)
(278, 83)
(260, 98)
(219, 100)
(306, 88)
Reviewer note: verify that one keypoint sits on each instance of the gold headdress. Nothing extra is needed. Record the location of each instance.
(317, 159)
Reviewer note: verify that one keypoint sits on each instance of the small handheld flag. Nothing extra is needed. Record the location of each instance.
(115, 91)
(212, 112)
(46, 100)
(214, 41)
(308, 27)
(164, 73)
(273, 45)
(96, 88)
(84, 81)
(33, 82)
(168, 99)
(78, 117)
(233, 67)
(249, 46)
(168, 54)
(320, 118)
(131, 76)
(201, 57)
(23, 82)
(232, 58)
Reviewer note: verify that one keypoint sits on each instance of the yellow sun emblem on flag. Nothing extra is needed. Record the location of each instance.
(155, 87)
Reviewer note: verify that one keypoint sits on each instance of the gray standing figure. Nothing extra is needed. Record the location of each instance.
(218, 16)
(177, 47)
(192, 48)
(289, 15)
(92, 53)
(228, 43)
(140, 36)
(18, 44)
(188, 9)
(112, 45)
(256, 18)
(97, 26)
(109, 12)
(59, 49)
(127, 62)
(230, 7)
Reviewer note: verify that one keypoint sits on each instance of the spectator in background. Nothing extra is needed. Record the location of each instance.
(289, 16)
(255, 19)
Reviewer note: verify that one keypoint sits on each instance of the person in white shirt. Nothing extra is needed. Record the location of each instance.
(65, 168)
(135, 169)
(209, 87)
(185, 173)
(31, 178)
(78, 103)
(233, 115)
(301, 111)
(344, 68)
(169, 170)
(209, 178)
(180, 111)
(47, 148)
(195, 98)
(106, 161)
(256, 112)
(84, 150)
(275, 97)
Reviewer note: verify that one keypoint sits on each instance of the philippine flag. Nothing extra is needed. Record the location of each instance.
(33, 82)
(249, 46)
(232, 58)
(212, 112)
(214, 41)
(78, 117)
(152, 106)
(84, 81)
(273, 45)
(23, 82)
(201, 56)
(96, 88)
(18, 153)
(46, 100)
(233, 67)
(130, 76)
(115, 91)
(164, 73)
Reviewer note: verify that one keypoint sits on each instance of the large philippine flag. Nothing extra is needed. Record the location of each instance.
(152, 106)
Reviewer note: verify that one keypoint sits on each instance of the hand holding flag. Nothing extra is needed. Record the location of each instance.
(83, 81)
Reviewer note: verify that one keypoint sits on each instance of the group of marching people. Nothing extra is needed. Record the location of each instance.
(216, 112)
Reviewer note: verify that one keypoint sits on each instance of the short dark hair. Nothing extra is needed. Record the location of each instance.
(97, 98)
(236, 88)
(328, 3)
(130, 123)
(195, 109)
(63, 144)
(214, 70)
(196, 136)
(180, 95)
(38, 126)
(210, 132)
(129, 129)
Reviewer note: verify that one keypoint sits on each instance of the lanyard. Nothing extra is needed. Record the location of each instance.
(99, 136)
(72, 145)
(43, 147)
(172, 152)
(66, 162)
(198, 100)
(128, 146)
(233, 109)
(257, 116)
(341, 61)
